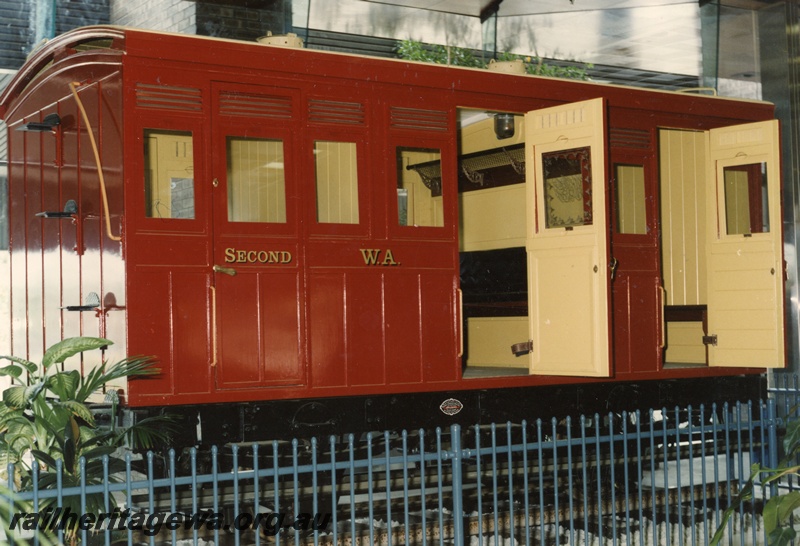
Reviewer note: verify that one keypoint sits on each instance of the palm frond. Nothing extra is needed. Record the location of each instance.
(150, 432)
(96, 471)
(129, 367)
(90, 437)
(98, 452)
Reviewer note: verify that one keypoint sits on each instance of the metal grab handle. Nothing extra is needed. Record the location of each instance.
(663, 294)
(213, 326)
(227, 270)
(460, 295)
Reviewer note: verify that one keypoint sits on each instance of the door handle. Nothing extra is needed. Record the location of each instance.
(227, 270)
(613, 266)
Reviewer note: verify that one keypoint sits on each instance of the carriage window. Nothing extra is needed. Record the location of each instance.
(337, 182)
(256, 184)
(419, 187)
(568, 188)
(746, 209)
(630, 198)
(169, 174)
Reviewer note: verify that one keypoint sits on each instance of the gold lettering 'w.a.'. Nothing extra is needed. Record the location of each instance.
(377, 256)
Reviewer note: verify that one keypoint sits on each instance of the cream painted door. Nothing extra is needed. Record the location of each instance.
(567, 240)
(745, 253)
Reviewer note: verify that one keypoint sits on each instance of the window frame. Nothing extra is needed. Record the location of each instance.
(449, 189)
(138, 213)
(744, 164)
(649, 160)
(363, 170)
(221, 193)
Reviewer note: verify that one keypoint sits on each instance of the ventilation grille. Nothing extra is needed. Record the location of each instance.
(242, 104)
(421, 120)
(340, 113)
(561, 118)
(629, 138)
(165, 97)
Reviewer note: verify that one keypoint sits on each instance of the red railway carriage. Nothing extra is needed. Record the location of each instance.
(301, 232)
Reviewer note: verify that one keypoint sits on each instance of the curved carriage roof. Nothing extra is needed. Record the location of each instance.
(95, 37)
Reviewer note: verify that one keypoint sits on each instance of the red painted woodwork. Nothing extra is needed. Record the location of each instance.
(329, 321)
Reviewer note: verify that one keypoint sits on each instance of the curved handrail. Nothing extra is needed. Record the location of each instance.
(90, 132)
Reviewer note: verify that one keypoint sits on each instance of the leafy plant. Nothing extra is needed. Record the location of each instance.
(778, 510)
(9, 505)
(413, 50)
(46, 420)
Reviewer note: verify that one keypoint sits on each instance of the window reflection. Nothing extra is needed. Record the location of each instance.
(746, 203)
(419, 187)
(169, 174)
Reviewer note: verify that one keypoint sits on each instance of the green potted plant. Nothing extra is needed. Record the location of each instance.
(46, 420)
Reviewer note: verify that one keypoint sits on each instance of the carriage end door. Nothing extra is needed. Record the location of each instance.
(745, 253)
(567, 240)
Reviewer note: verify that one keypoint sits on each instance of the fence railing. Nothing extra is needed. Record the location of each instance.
(661, 477)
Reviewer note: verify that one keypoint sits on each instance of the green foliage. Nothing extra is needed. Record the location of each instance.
(46, 421)
(412, 50)
(9, 506)
(778, 510)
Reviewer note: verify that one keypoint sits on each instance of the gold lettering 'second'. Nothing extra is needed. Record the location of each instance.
(234, 255)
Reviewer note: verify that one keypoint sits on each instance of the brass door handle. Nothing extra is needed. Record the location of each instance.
(227, 270)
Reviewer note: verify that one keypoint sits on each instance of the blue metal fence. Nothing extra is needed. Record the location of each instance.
(661, 477)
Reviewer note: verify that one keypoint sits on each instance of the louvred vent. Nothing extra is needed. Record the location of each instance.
(629, 138)
(341, 113)
(417, 119)
(242, 104)
(163, 97)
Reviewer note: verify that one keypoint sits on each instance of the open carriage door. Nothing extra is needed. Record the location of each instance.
(567, 240)
(745, 258)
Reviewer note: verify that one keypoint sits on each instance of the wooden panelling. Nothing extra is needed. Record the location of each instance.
(481, 211)
(489, 341)
(685, 343)
(683, 168)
